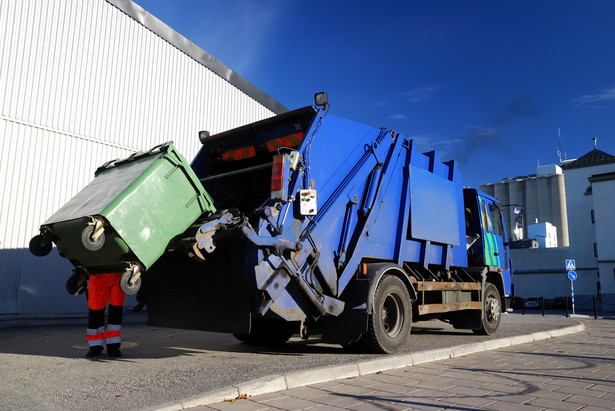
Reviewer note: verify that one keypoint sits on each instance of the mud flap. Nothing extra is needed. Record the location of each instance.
(466, 319)
(351, 324)
(346, 328)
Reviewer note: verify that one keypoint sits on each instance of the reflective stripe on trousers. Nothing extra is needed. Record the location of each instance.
(95, 336)
(113, 334)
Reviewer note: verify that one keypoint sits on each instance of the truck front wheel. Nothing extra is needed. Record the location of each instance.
(492, 311)
(391, 318)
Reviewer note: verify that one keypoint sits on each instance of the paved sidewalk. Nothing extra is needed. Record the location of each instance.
(565, 372)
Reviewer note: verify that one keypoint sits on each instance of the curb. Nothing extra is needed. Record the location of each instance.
(274, 383)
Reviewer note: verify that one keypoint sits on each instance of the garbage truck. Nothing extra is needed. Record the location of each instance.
(312, 224)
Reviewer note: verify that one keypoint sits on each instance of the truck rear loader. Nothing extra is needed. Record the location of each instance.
(321, 225)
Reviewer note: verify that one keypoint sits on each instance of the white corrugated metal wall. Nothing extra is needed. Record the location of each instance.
(83, 82)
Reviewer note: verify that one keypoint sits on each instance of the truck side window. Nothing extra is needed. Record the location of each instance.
(485, 218)
(496, 220)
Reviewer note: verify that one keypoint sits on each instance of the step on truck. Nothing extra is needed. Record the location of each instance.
(332, 227)
(320, 225)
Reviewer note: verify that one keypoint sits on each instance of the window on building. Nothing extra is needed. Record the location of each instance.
(595, 249)
(593, 216)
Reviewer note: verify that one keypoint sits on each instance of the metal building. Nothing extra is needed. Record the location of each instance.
(83, 82)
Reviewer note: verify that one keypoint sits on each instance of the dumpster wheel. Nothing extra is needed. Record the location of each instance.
(88, 242)
(128, 285)
(40, 245)
(77, 282)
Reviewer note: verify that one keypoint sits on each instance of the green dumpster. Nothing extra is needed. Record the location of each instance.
(124, 220)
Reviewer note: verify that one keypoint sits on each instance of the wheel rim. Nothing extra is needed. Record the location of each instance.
(125, 284)
(392, 315)
(492, 309)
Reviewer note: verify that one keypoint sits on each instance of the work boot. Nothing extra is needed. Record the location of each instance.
(94, 351)
(113, 350)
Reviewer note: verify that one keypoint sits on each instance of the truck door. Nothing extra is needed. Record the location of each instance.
(494, 236)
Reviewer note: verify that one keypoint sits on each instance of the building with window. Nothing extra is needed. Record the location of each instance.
(603, 193)
(83, 82)
(543, 197)
(579, 201)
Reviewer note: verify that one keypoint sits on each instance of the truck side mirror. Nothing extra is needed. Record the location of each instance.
(321, 99)
(203, 135)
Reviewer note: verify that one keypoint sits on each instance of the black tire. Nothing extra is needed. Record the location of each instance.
(125, 284)
(492, 311)
(88, 243)
(390, 322)
(267, 333)
(40, 245)
(76, 284)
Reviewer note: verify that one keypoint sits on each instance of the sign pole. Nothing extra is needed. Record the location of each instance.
(571, 265)
(572, 292)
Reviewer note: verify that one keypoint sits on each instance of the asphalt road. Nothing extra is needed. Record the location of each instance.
(45, 366)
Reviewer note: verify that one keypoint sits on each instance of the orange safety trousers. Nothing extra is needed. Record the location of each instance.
(103, 288)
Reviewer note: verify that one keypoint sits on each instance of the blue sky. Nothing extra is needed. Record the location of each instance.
(486, 83)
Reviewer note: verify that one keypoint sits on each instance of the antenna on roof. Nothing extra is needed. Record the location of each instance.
(559, 146)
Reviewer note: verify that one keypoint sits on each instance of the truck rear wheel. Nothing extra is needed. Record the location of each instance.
(391, 318)
(492, 311)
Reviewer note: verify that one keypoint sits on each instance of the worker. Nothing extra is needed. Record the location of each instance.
(103, 288)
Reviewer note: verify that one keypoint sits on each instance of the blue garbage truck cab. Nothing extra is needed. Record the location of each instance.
(329, 226)
(485, 224)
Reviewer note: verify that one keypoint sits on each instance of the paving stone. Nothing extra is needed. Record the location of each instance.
(514, 398)
(580, 391)
(389, 378)
(466, 391)
(509, 406)
(347, 390)
(429, 396)
(515, 388)
(323, 407)
(470, 382)
(436, 385)
(393, 388)
(240, 405)
(573, 383)
(338, 400)
(551, 395)
(270, 396)
(592, 401)
(328, 385)
(371, 406)
(306, 393)
(288, 403)
(555, 405)
(475, 402)
(357, 382)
